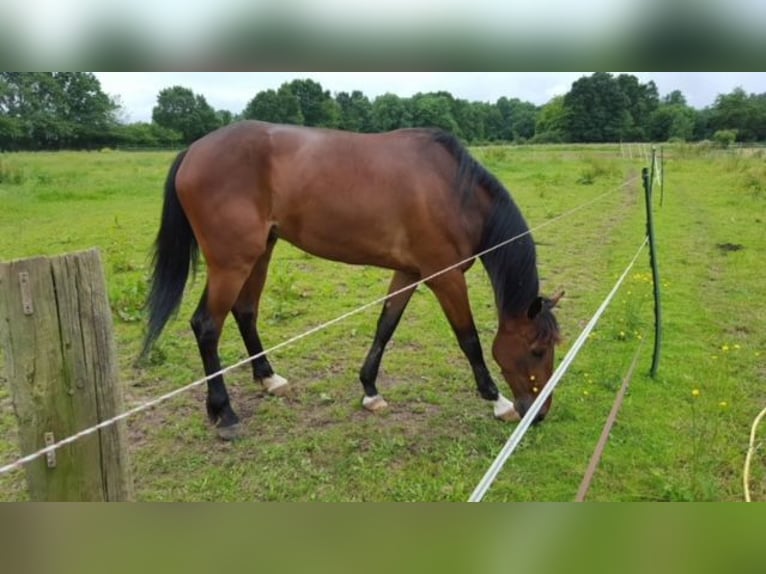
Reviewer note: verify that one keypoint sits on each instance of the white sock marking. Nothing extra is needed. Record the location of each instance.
(502, 406)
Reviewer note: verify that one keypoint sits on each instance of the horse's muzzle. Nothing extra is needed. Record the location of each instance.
(522, 406)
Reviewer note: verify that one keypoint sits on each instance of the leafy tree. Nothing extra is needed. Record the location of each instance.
(86, 108)
(758, 121)
(142, 134)
(641, 101)
(139, 134)
(355, 111)
(11, 133)
(44, 110)
(179, 109)
(743, 113)
(331, 113)
(280, 106)
(493, 122)
(316, 105)
(524, 120)
(602, 108)
(433, 110)
(390, 112)
(702, 125)
(672, 121)
(41, 110)
(676, 97)
(725, 138)
(518, 119)
(596, 109)
(551, 122)
(224, 117)
(30, 101)
(470, 118)
(11, 126)
(264, 107)
(505, 109)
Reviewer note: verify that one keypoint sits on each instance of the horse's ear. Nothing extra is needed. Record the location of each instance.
(553, 301)
(535, 307)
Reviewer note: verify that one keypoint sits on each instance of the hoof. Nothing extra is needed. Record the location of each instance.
(374, 404)
(229, 433)
(275, 385)
(510, 416)
(505, 411)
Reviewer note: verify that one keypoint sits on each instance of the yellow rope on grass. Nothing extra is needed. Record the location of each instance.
(750, 450)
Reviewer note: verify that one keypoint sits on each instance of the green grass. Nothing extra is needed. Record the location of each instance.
(438, 437)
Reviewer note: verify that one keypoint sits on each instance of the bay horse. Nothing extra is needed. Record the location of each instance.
(411, 200)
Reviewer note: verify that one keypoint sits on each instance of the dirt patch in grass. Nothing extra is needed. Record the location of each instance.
(729, 247)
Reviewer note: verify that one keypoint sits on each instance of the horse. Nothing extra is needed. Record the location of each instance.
(413, 201)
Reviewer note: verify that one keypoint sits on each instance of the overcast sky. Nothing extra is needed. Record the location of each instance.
(233, 90)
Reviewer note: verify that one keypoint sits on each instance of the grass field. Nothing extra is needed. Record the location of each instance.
(682, 436)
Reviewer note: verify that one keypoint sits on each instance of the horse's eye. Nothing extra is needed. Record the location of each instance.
(538, 353)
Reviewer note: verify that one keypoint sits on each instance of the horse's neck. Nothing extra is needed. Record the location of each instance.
(510, 258)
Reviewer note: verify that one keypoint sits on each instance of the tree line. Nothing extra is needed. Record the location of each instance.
(69, 110)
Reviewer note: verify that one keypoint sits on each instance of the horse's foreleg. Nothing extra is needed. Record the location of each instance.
(245, 312)
(452, 293)
(387, 322)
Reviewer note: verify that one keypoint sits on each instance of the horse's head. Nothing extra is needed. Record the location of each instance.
(524, 347)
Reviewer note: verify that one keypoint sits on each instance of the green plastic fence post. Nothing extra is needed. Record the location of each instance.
(648, 178)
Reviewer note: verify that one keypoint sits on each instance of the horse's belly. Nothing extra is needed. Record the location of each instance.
(356, 242)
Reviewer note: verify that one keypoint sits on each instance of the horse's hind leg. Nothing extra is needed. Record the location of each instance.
(389, 319)
(218, 298)
(245, 312)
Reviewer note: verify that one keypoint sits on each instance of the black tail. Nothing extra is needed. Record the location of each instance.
(175, 251)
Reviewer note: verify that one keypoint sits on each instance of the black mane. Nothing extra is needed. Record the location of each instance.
(512, 268)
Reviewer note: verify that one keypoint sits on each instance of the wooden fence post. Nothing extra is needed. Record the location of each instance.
(57, 336)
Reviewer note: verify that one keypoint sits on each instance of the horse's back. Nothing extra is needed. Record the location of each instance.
(359, 198)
